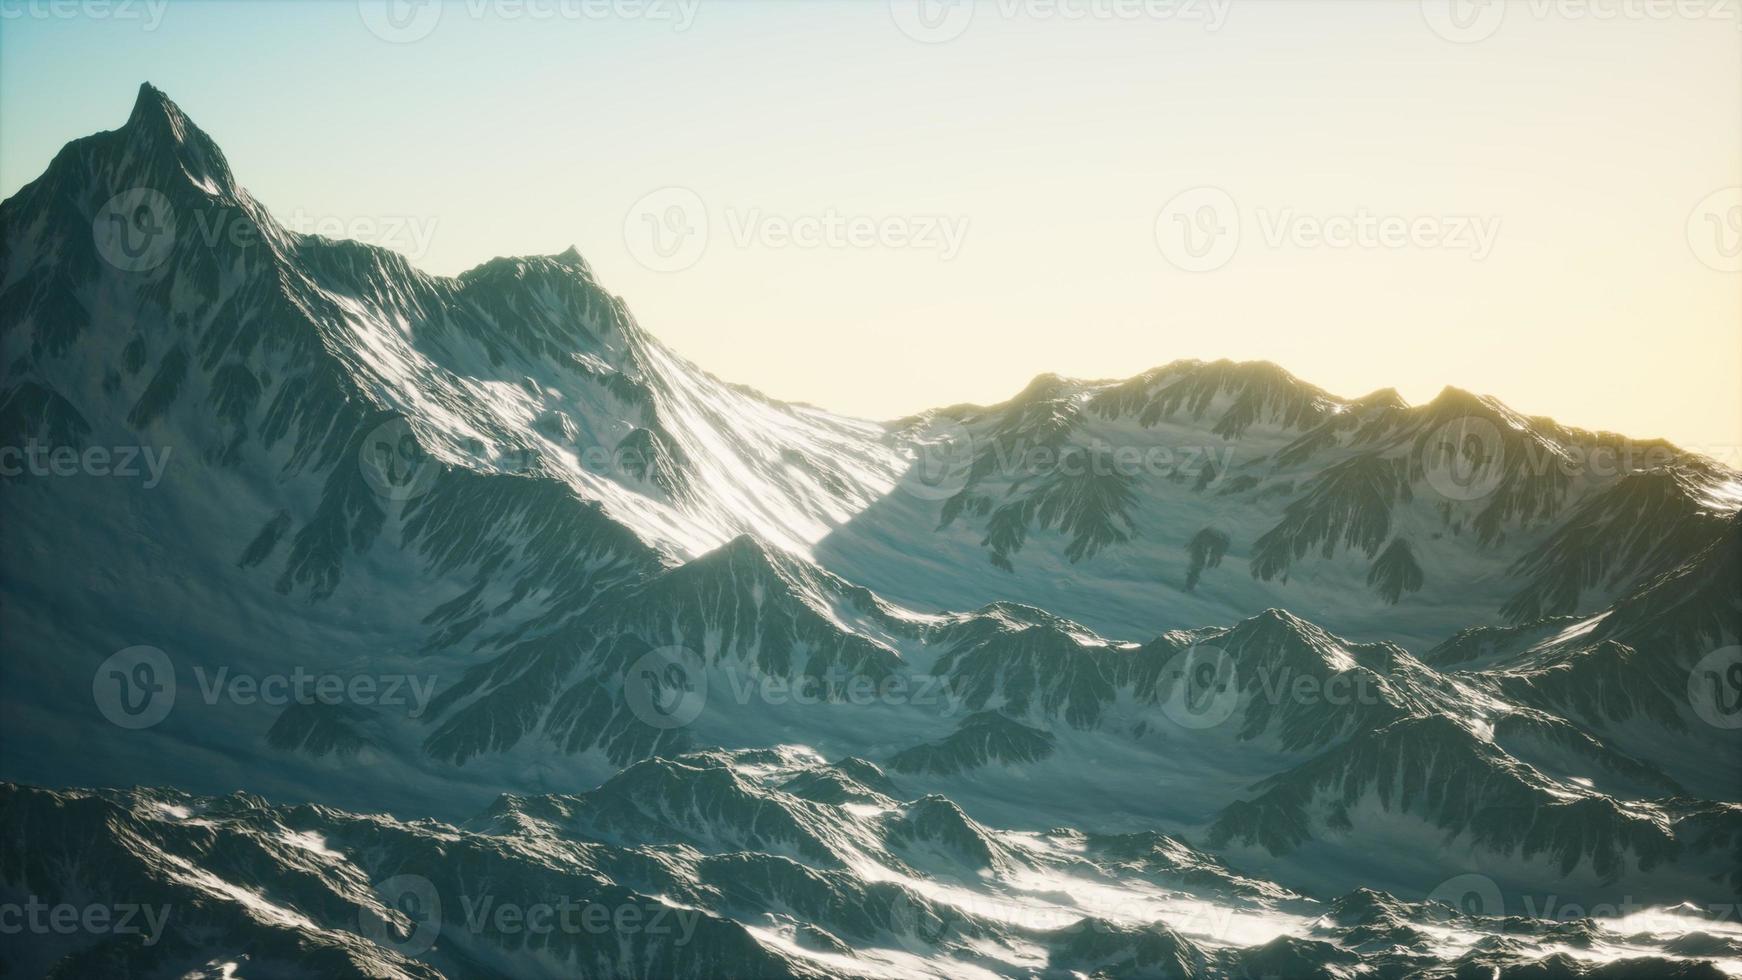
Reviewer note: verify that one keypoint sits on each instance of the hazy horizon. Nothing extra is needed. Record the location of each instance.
(903, 214)
(359, 622)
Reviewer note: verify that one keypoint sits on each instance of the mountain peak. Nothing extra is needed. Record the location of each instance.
(567, 264)
(153, 108)
(160, 138)
(1274, 618)
(746, 552)
(1383, 398)
(1452, 398)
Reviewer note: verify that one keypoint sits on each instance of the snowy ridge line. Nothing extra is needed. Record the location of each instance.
(541, 886)
(637, 586)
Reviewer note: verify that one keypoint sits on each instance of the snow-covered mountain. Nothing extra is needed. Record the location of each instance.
(474, 581)
(732, 865)
(1203, 492)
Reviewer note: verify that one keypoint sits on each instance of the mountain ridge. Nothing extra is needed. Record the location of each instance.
(385, 473)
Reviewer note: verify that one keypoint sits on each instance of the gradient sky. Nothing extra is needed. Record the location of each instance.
(1588, 146)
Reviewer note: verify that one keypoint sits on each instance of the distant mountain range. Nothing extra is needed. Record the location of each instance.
(325, 582)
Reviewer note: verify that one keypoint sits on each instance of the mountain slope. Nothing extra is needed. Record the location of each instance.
(480, 550)
(556, 886)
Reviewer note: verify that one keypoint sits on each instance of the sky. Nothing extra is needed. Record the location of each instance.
(881, 206)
